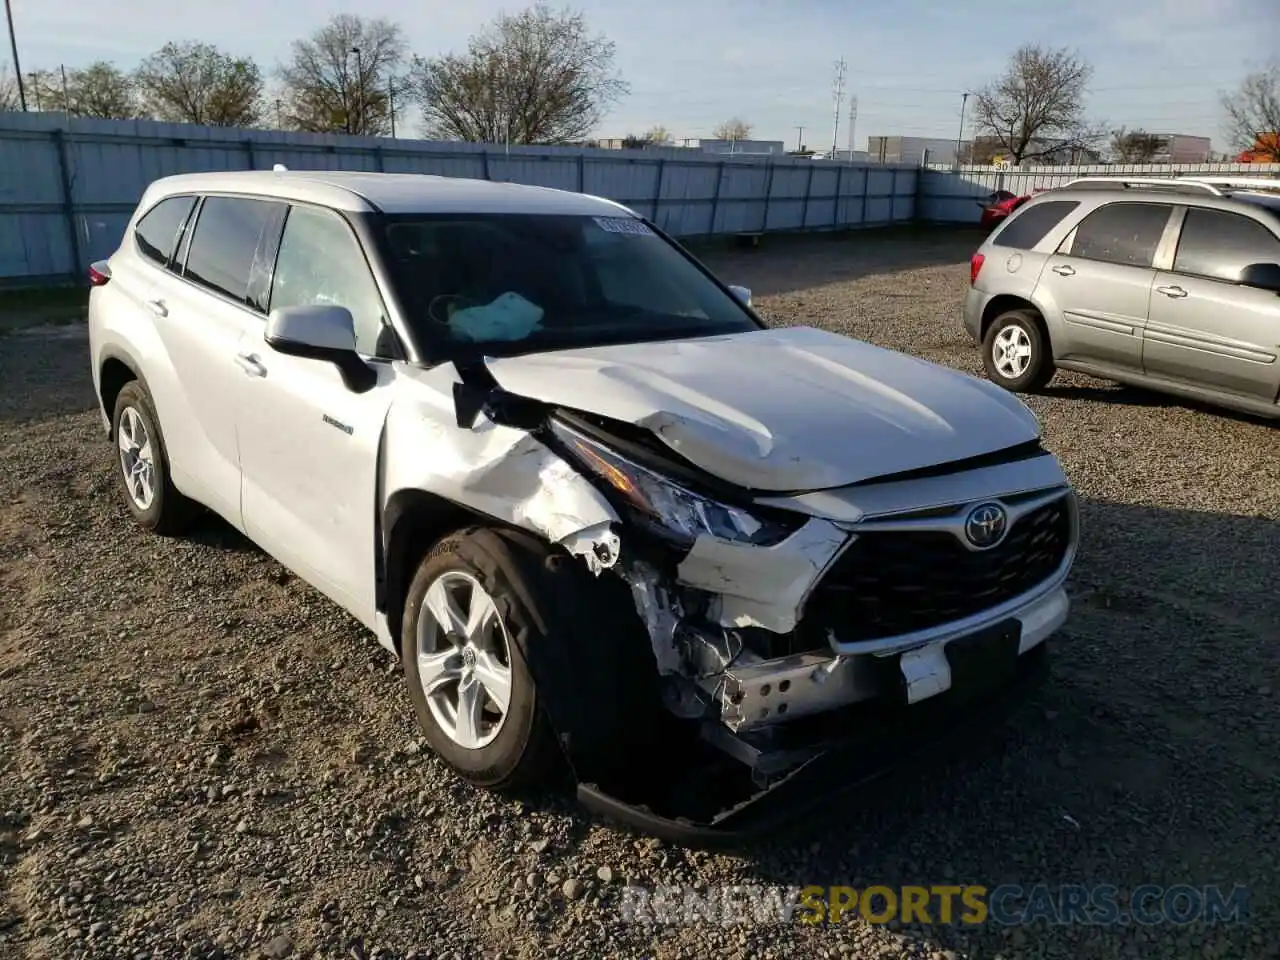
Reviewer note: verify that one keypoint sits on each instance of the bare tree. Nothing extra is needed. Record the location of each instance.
(1036, 108)
(338, 80)
(1253, 112)
(8, 89)
(733, 129)
(1135, 146)
(99, 90)
(538, 76)
(195, 82)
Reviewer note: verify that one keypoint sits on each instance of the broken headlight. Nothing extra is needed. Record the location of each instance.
(676, 512)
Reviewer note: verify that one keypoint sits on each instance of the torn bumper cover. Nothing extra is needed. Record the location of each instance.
(848, 750)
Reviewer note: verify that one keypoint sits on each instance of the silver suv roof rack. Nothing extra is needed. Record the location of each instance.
(1163, 183)
(1239, 183)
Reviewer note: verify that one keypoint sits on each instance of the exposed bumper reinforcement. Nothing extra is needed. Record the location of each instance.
(842, 765)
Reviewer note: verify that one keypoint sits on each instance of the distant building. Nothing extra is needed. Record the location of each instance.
(746, 148)
(1182, 148)
(916, 151)
(752, 148)
(845, 156)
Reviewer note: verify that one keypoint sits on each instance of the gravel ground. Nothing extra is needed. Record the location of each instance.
(201, 757)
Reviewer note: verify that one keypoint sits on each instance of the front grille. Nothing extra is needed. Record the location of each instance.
(894, 582)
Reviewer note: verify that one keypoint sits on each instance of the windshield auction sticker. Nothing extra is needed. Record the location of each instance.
(628, 225)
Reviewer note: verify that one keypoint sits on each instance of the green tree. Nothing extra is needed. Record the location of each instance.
(194, 82)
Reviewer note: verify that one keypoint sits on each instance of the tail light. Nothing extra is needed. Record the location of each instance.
(99, 274)
(975, 267)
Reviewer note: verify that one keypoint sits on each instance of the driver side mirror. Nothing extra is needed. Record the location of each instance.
(1264, 276)
(742, 293)
(321, 332)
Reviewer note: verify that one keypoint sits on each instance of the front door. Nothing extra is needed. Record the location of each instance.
(1205, 329)
(309, 444)
(1099, 281)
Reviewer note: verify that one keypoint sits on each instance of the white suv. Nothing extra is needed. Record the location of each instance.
(599, 510)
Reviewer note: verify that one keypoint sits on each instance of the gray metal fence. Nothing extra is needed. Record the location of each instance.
(951, 195)
(66, 190)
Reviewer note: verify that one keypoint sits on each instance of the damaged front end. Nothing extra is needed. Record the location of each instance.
(804, 641)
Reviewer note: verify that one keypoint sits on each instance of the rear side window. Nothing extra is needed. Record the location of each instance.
(1123, 233)
(1031, 224)
(1218, 244)
(224, 243)
(157, 231)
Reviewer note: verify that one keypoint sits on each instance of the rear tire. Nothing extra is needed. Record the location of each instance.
(1016, 352)
(142, 464)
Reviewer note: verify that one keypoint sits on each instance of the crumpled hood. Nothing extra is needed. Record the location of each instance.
(783, 409)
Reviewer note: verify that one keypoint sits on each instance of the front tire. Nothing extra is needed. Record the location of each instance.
(142, 464)
(1016, 352)
(462, 649)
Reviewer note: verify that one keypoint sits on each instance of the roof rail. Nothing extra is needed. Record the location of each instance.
(1172, 184)
(1241, 183)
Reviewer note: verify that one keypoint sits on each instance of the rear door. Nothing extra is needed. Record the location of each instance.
(1205, 329)
(1099, 281)
(201, 317)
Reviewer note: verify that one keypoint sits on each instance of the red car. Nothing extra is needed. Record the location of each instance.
(999, 205)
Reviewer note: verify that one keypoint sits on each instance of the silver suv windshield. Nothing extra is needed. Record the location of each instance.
(500, 284)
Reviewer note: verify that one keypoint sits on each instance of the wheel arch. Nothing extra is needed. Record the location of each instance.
(411, 522)
(115, 369)
(1005, 302)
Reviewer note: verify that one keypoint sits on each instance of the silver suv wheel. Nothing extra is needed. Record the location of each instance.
(137, 458)
(464, 660)
(1011, 351)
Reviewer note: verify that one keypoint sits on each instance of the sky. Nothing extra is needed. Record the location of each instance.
(691, 64)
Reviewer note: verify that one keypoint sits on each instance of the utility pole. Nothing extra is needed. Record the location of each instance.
(853, 122)
(799, 139)
(66, 97)
(13, 46)
(360, 86)
(391, 103)
(964, 101)
(837, 93)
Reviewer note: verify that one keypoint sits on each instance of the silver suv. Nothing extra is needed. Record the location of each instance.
(1162, 283)
(600, 511)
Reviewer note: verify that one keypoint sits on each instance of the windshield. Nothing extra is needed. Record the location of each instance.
(500, 284)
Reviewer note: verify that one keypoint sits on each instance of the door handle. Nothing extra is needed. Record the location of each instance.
(250, 364)
(158, 308)
(1064, 270)
(1172, 292)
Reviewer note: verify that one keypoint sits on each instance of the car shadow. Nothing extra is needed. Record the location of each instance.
(799, 262)
(1135, 396)
(1150, 755)
(210, 530)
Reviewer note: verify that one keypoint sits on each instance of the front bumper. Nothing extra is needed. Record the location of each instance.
(868, 745)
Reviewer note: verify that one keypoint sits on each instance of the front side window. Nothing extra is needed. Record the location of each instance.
(516, 283)
(157, 231)
(224, 243)
(320, 262)
(1218, 244)
(1123, 233)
